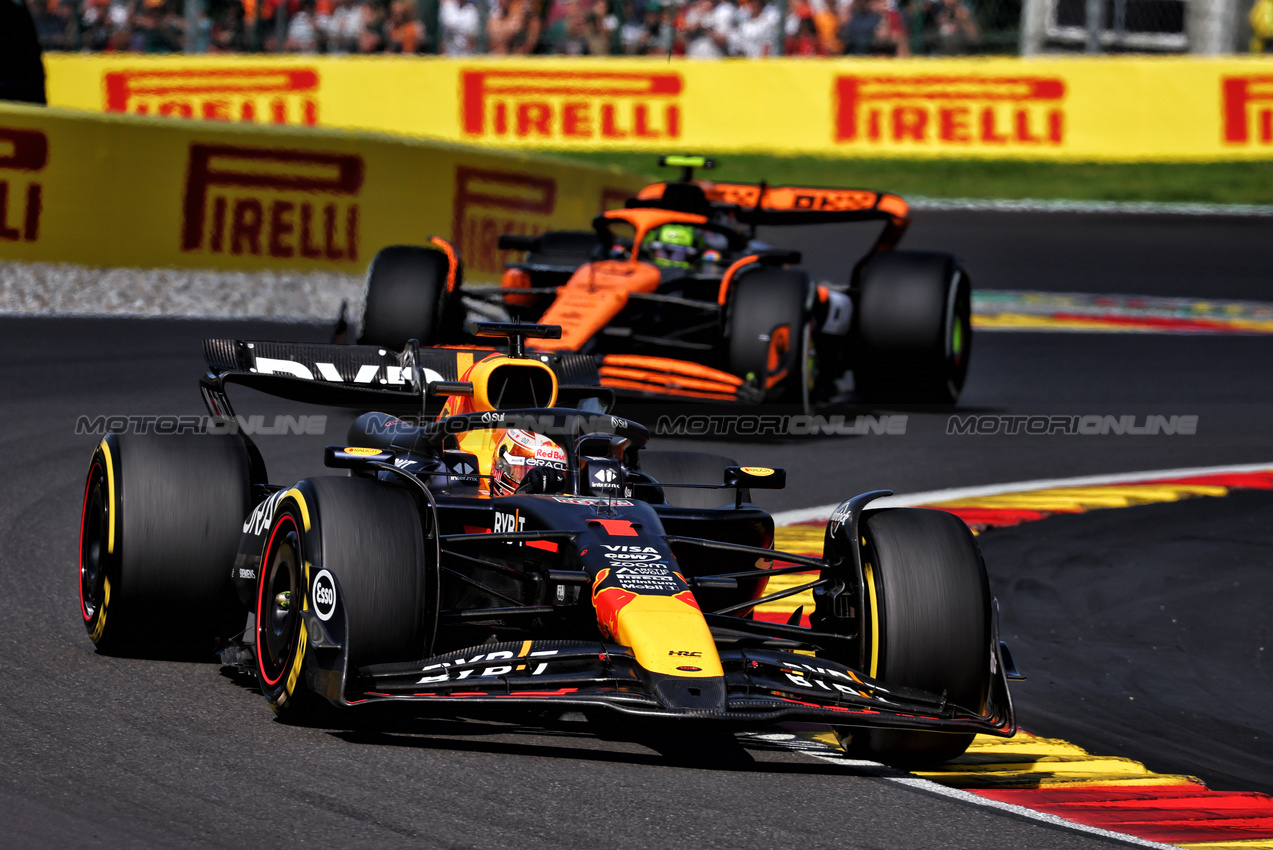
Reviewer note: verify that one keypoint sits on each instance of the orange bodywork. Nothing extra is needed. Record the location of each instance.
(594, 295)
(730, 273)
(666, 376)
(452, 261)
(598, 291)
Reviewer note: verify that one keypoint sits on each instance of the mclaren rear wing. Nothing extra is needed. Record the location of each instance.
(762, 204)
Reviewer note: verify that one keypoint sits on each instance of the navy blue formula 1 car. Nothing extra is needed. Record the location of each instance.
(523, 547)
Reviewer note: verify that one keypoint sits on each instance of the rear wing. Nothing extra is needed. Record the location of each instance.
(364, 377)
(759, 205)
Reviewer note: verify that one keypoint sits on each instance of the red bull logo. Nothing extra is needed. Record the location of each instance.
(23, 155)
(948, 112)
(272, 202)
(566, 106)
(1248, 110)
(282, 95)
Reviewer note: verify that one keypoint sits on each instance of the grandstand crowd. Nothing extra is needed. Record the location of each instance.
(703, 29)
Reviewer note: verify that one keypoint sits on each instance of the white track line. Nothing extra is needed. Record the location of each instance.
(1037, 205)
(823, 512)
(824, 752)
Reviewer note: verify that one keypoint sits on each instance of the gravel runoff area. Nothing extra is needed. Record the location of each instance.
(48, 288)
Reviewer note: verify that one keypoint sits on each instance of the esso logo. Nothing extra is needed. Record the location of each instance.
(633, 556)
(323, 595)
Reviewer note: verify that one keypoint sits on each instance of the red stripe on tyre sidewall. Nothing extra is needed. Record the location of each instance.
(260, 598)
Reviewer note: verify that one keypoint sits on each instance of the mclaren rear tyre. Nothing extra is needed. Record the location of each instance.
(369, 536)
(406, 297)
(161, 522)
(912, 333)
(770, 325)
(927, 626)
(690, 468)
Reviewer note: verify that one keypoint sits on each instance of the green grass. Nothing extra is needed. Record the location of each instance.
(1213, 182)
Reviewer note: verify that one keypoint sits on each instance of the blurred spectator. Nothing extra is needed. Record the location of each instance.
(302, 30)
(403, 33)
(571, 33)
(755, 30)
(158, 28)
(872, 28)
(459, 22)
(953, 29)
(805, 40)
(339, 25)
(372, 27)
(707, 27)
(603, 27)
(513, 27)
(54, 23)
(699, 29)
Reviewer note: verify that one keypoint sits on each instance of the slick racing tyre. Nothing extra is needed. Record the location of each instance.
(691, 468)
(368, 535)
(406, 297)
(159, 530)
(912, 333)
(770, 326)
(927, 626)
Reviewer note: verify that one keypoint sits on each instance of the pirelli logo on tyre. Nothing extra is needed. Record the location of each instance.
(1248, 110)
(950, 112)
(23, 155)
(262, 95)
(565, 106)
(271, 202)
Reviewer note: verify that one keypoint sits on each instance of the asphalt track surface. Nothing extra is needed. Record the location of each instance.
(131, 752)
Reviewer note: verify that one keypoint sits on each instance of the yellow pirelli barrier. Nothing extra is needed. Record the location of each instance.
(127, 191)
(1107, 109)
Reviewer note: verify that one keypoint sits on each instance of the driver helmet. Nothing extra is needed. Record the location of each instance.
(516, 454)
(676, 246)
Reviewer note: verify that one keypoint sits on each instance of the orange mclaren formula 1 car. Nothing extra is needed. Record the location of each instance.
(512, 553)
(675, 298)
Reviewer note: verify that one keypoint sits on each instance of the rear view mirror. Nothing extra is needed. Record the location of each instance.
(517, 242)
(756, 477)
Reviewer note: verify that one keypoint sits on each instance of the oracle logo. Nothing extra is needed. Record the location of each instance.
(272, 202)
(950, 111)
(23, 154)
(580, 106)
(1248, 109)
(278, 95)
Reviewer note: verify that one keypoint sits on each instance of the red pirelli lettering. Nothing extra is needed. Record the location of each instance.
(950, 110)
(272, 202)
(583, 106)
(25, 152)
(1248, 109)
(217, 94)
(489, 203)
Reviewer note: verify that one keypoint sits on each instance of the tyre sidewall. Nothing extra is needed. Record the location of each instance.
(770, 332)
(912, 332)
